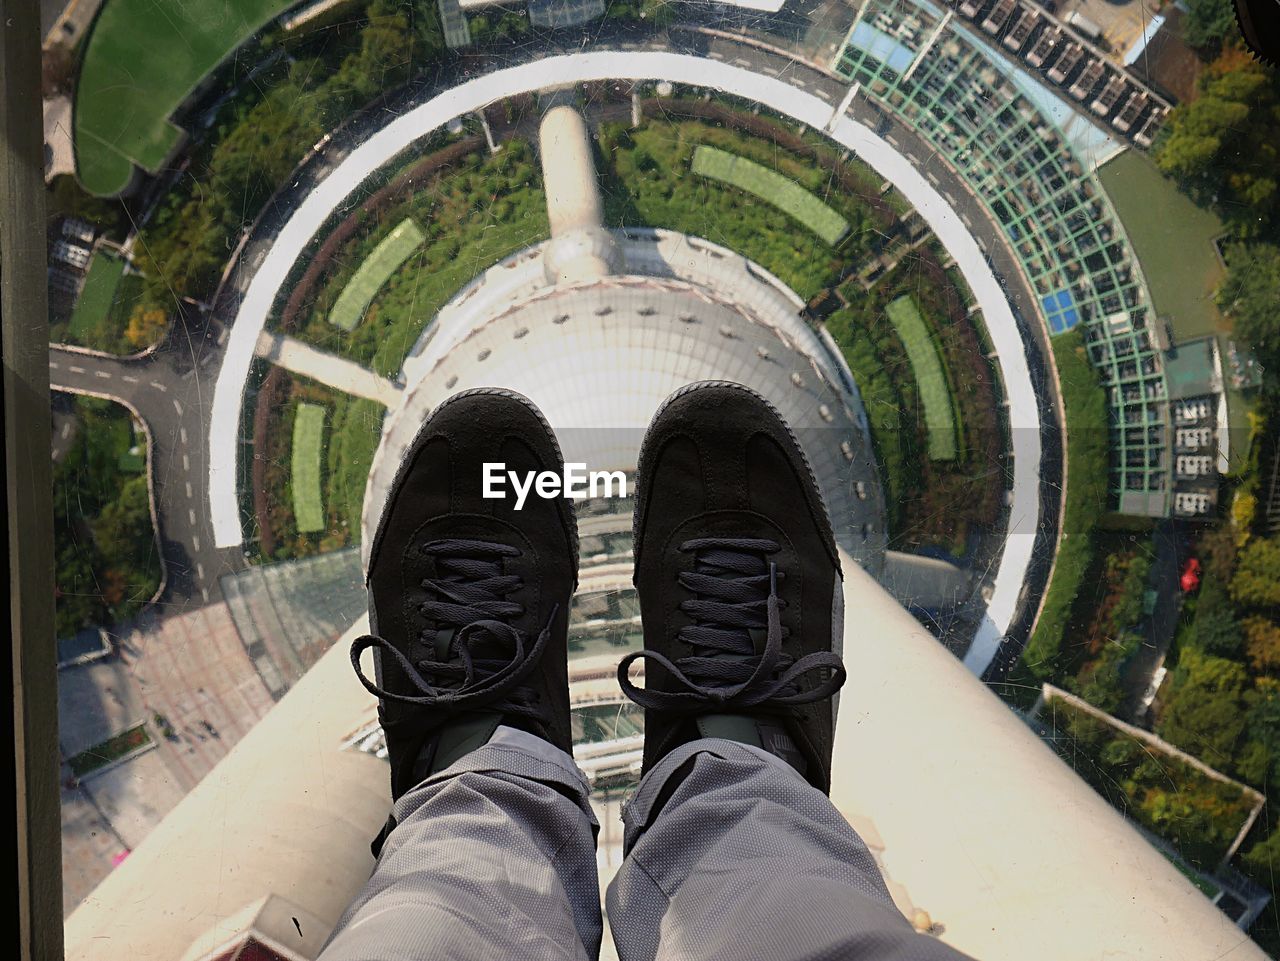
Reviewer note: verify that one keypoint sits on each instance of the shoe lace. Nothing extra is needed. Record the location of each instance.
(470, 604)
(734, 584)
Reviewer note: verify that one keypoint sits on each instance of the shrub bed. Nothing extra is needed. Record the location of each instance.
(107, 562)
(1085, 409)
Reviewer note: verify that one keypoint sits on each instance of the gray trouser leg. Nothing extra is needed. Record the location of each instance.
(492, 858)
(746, 860)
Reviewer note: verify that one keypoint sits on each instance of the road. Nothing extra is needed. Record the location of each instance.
(168, 390)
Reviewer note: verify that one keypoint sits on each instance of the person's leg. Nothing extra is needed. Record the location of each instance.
(493, 857)
(733, 849)
(490, 850)
(731, 854)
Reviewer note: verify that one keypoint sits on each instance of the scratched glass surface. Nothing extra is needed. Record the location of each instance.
(1010, 278)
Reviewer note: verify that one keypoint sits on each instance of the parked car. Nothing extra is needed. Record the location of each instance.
(1190, 579)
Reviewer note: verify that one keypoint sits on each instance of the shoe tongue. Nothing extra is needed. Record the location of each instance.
(455, 740)
(763, 733)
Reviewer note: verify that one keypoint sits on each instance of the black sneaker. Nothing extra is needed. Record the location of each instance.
(739, 583)
(468, 597)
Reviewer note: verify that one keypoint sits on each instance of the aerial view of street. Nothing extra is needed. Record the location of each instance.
(1012, 267)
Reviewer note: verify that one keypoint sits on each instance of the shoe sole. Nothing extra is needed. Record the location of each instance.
(568, 514)
(638, 516)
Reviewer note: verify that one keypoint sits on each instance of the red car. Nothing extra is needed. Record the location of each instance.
(1190, 579)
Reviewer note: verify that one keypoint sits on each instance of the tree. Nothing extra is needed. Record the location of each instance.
(67, 198)
(1224, 146)
(1256, 582)
(1249, 295)
(1260, 756)
(1103, 687)
(1209, 22)
(1132, 572)
(147, 325)
(1262, 725)
(1205, 714)
(123, 529)
(190, 236)
(1262, 643)
(1262, 861)
(428, 35)
(382, 62)
(75, 588)
(1215, 630)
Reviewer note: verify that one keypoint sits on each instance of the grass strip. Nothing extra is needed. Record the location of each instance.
(383, 261)
(308, 433)
(931, 379)
(773, 188)
(96, 297)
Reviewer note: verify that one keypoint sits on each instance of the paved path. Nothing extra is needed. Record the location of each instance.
(1159, 629)
(190, 669)
(336, 372)
(66, 428)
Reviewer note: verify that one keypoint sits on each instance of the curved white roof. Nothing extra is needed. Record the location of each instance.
(599, 357)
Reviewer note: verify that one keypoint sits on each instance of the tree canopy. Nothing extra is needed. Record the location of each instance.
(1250, 296)
(1224, 146)
(186, 245)
(1209, 22)
(1206, 713)
(1256, 582)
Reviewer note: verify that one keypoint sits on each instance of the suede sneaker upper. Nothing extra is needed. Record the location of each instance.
(739, 583)
(468, 597)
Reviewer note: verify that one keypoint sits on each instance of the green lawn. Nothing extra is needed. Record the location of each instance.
(1239, 406)
(308, 435)
(645, 183)
(931, 379)
(141, 61)
(96, 297)
(384, 260)
(1173, 239)
(773, 188)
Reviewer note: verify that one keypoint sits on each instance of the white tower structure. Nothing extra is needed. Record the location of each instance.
(598, 327)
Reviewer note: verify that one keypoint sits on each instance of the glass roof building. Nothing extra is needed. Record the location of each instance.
(1030, 160)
